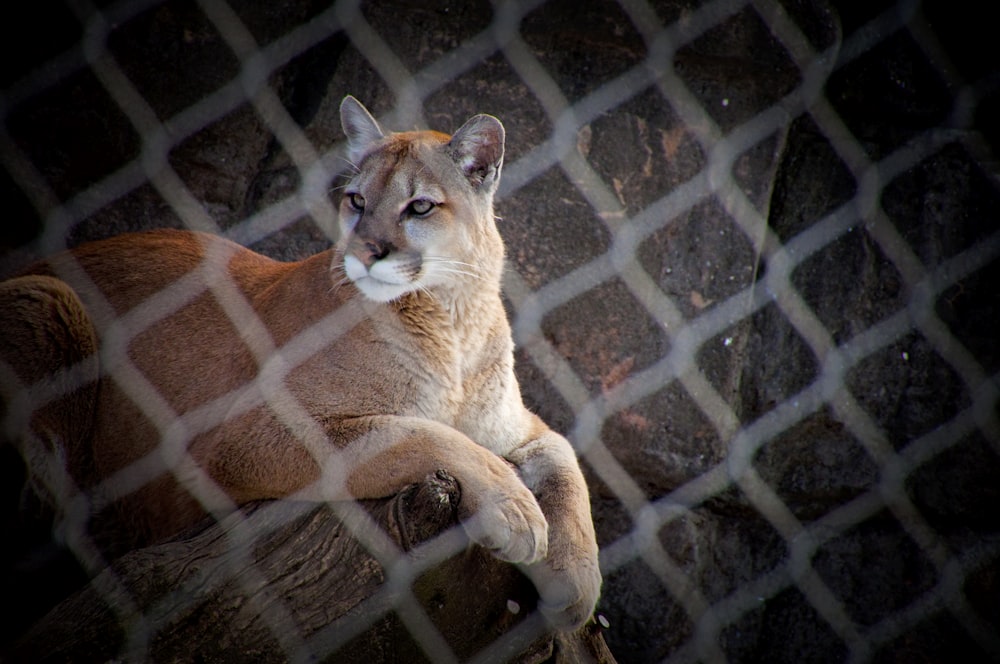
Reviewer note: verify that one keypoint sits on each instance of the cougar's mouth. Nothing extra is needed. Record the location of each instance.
(385, 279)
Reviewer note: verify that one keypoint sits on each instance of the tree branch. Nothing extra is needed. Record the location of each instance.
(284, 581)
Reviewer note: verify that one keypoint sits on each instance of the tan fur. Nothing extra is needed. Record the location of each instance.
(349, 374)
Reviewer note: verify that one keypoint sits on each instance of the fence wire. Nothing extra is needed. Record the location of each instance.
(627, 230)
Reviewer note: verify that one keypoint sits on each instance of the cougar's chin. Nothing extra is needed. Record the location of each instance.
(379, 291)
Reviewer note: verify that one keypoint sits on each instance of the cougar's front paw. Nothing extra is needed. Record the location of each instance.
(568, 584)
(510, 524)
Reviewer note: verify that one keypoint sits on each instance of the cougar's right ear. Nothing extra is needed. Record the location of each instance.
(360, 128)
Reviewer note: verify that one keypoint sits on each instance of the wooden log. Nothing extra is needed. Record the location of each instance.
(391, 580)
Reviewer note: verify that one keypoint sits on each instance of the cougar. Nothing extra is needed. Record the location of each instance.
(190, 374)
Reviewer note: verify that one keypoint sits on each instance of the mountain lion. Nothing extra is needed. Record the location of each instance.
(198, 375)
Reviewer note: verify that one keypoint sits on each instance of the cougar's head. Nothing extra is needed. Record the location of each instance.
(417, 213)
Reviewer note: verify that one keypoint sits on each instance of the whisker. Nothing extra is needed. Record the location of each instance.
(439, 259)
(450, 266)
(438, 262)
(451, 270)
(357, 169)
(426, 291)
(338, 277)
(445, 259)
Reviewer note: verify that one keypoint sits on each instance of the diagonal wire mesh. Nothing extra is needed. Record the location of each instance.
(627, 229)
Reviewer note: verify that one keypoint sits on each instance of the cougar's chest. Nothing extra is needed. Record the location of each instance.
(466, 373)
(395, 360)
(410, 359)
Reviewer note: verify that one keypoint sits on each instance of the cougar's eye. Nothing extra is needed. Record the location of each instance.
(421, 206)
(357, 201)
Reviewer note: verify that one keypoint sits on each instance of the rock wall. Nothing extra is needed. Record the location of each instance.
(716, 214)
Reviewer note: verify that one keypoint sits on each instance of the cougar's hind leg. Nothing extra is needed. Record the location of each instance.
(48, 387)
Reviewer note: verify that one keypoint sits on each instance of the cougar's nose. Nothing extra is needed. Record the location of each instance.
(374, 250)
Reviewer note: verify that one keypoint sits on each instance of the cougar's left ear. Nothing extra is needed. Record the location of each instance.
(477, 148)
(360, 128)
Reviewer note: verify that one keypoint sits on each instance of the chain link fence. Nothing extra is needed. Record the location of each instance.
(567, 126)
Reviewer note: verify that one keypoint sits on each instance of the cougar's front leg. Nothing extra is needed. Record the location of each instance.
(378, 456)
(569, 578)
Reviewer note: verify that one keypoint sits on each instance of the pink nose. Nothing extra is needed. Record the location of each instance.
(372, 251)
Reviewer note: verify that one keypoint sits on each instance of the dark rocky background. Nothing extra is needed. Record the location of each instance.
(868, 527)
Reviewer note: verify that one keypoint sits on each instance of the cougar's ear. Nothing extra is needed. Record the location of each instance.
(477, 148)
(360, 128)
